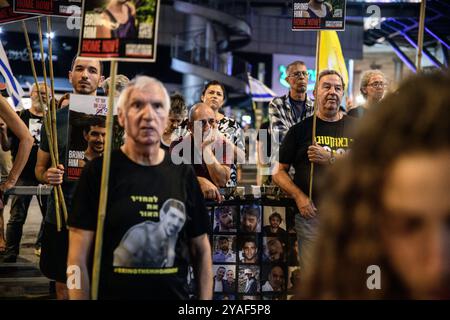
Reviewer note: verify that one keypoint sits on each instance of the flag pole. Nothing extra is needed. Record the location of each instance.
(311, 173)
(104, 184)
(53, 115)
(420, 35)
(46, 125)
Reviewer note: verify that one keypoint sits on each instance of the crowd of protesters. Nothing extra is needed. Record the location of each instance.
(377, 195)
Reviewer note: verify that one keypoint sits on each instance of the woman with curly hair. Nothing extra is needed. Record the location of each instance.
(387, 204)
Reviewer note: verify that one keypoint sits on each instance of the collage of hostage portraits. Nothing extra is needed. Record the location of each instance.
(255, 252)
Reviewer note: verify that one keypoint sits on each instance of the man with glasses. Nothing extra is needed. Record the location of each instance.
(373, 86)
(206, 149)
(287, 110)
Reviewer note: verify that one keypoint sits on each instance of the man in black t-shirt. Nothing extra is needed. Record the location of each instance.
(32, 118)
(85, 76)
(156, 221)
(333, 139)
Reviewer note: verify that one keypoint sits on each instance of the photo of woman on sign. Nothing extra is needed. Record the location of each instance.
(119, 20)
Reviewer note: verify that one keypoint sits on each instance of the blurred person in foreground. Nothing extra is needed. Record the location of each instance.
(387, 204)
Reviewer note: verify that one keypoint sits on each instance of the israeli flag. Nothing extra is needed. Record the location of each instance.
(259, 91)
(12, 85)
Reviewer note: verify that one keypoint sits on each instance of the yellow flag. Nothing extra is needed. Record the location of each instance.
(331, 54)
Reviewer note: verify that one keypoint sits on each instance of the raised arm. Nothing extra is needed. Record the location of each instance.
(20, 130)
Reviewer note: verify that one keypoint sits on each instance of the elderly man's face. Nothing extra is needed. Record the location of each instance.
(35, 101)
(329, 95)
(145, 115)
(276, 278)
(205, 119)
(297, 77)
(375, 88)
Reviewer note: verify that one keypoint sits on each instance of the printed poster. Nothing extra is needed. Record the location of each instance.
(7, 13)
(86, 139)
(318, 15)
(119, 30)
(62, 8)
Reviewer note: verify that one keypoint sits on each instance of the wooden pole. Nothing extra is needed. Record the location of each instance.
(46, 124)
(44, 73)
(311, 173)
(104, 184)
(420, 35)
(53, 115)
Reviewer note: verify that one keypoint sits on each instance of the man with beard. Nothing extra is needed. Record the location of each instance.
(85, 76)
(20, 203)
(224, 253)
(333, 139)
(225, 219)
(373, 86)
(94, 134)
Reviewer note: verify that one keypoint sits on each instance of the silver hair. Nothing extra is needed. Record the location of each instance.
(365, 78)
(141, 83)
(121, 83)
(294, 63)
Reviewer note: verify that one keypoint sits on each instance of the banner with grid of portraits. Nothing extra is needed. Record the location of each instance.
(254, 250)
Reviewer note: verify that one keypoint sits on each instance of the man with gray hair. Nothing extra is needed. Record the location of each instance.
(333, 139)
(136, 262)
(121, 83)
(287, 110)
(373, 86)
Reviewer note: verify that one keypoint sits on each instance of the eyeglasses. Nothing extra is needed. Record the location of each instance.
(299, 74)
(210, 121)
(377, 85)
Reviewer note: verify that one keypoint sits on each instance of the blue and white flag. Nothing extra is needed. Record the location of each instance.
(259, 91)
(12, 85)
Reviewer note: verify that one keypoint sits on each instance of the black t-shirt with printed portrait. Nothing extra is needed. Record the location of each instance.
(336, 136)
(137, 262)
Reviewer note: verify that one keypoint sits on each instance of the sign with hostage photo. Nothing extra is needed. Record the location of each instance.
(87, 118)
(124, 30)
(7, 13)
(63, 8)
(318, 15)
